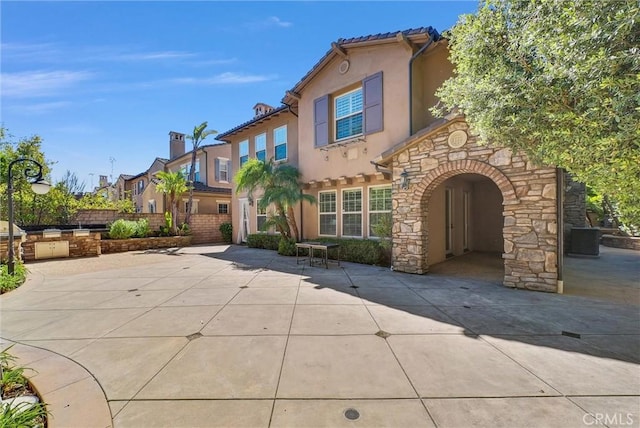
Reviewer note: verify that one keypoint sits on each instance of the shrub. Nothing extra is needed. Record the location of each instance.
(184, 229)
(14, 384)
(122, 229)
(227, 232)
(10, 282)
(263, 240)
(365, 251)
(287, 247)
(142, 228)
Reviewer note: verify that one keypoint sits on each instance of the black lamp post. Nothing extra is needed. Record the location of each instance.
(38, 185)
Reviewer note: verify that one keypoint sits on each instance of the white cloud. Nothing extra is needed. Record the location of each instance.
(274, 20)
(270, 22)
(39, 108)
(228, 78)
(26, 84)
(148, 56)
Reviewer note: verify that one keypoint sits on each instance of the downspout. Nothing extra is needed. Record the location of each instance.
(301, 218)
(289, 108)
(560, 229)
(413, 58)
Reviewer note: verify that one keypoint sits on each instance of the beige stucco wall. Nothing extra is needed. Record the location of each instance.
(267, 126)
(392, 59)
(430, 70)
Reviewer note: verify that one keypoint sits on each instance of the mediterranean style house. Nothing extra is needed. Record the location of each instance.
(359, 129)
(212, 180)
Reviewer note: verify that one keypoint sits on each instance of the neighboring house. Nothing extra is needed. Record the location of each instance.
(212, 181)
(367, 146)
(272, 133)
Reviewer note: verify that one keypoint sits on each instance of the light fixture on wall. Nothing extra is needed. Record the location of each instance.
(404, 180)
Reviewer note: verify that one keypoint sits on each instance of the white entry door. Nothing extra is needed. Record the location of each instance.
(244, 220)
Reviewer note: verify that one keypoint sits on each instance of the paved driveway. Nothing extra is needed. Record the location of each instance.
(230, 336)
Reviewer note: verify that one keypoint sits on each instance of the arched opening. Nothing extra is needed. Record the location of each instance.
(464, 217)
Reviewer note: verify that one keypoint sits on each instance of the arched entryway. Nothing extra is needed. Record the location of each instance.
(464, 217)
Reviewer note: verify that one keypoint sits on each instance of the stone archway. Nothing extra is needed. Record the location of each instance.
(526, 263)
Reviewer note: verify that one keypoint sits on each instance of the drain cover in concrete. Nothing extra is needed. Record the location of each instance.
(571, 334)
(351, 414)
(383, 334)
(194, 336)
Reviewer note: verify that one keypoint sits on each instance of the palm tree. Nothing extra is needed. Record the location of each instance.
(172, 184)
(280, 186)
(199, 134)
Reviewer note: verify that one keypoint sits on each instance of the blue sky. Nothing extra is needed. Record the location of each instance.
(101, 80)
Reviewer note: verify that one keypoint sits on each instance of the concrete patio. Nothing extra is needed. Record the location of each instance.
(235, 337)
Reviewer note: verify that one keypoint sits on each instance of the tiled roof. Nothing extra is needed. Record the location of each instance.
(201, 187)
(251, 122)
(126, 176)
(432, 32)
(163, 160)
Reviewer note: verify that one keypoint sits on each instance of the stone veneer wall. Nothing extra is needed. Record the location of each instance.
(205, 228)
(575, 208)
(4, 247)
(627, 242)
(141, 244)
(529, 205)
(79, 246)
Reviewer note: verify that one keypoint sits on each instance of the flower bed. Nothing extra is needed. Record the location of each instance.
(140, 244)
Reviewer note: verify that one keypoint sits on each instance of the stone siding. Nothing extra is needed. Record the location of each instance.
(79, 246)
(4, 247)
(205, 228)
(575, 208)
(141, 244)
(529, 204)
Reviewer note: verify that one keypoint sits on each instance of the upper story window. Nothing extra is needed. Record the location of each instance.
(261, 147)
(222, 169)
(345, 115)
(140, 187)
(348, 114)
(243, 151)
(280, 142)
(185, 168)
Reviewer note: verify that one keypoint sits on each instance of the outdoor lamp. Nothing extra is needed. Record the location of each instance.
(39, 187)
(404, 179)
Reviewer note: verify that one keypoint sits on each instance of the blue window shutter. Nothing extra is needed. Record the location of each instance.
(372, 99)
(321, 121)
(217, 167)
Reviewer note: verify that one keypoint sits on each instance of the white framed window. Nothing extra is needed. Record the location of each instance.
(140, 187)
(194, 206)
(352, 212)
(152, 206)
(280, 143)
(348, 114)
(261, 147)
(223, 208)
(327, 209)
(261, 216)
(379, 205)
(186, 167)
(243, 149)
(223, 170)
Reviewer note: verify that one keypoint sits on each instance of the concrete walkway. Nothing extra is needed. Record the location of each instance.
(235, 337)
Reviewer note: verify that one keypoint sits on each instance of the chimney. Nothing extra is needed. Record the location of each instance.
(103, 181)
(176, 144)
(261, 108)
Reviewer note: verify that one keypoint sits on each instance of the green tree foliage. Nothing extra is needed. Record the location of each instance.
(172, 184)
(559, 80)
(65, 198)
(200, 132)
(280, 188)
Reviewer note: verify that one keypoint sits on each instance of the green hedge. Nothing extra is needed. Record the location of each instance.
(263, 240)
(365, 251)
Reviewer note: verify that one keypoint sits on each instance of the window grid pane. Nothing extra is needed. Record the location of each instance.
(280, 142)
(261, 155)
(243, 159)
(352, 212)
(328, 217)
(261, 142)
(244, 148)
